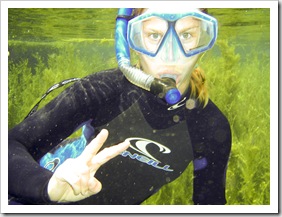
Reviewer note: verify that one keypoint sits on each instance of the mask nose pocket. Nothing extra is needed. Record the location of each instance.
(170, 51)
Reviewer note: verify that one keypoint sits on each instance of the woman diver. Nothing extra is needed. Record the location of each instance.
(151, 121)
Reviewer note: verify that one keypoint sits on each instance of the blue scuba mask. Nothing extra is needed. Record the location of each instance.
(172, 37)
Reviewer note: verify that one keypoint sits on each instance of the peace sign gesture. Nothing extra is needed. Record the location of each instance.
(74, 180)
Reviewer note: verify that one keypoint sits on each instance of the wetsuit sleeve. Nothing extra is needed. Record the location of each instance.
(211, 139)
(39, 133)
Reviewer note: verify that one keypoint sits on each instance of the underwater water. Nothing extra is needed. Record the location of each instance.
(47, 46)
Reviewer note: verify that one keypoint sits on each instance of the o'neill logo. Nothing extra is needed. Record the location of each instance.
(140, 145)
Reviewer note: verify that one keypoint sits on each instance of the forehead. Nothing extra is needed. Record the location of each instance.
(166, 10)
(183, 22)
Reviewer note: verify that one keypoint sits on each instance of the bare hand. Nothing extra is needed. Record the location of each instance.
(74, 180)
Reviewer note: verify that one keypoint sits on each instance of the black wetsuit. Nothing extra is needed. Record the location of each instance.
(164, 140)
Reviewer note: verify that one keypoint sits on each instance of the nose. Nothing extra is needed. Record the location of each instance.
(170, 52)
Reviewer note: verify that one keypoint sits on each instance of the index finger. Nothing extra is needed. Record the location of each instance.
(107, 154)
(94, 146)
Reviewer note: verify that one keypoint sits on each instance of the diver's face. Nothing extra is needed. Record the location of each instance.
(170, 61)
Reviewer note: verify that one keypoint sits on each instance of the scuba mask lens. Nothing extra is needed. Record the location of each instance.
(146, 35)
(196, 34)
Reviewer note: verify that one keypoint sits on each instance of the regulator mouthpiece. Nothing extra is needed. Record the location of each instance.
(166, 88)
(172, 96)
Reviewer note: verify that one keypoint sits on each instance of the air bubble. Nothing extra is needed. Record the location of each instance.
(176, 118)
(190, 104)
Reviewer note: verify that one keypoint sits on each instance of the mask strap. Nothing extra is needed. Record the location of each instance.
(126, 17)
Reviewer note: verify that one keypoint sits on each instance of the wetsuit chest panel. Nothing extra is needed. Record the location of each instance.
(154, 158)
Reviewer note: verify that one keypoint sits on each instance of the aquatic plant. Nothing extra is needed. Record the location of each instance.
(242, 92)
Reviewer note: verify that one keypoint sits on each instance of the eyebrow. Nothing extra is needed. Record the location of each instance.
(192, 22)
(187, 29)
(154, 27)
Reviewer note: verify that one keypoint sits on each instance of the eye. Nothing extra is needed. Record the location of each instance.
(155, 36)
(185, 36)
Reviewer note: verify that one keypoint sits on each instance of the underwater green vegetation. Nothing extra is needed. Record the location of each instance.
(240, 88)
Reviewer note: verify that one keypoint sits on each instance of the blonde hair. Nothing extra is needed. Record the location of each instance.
(198, 86)
(197, 82)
